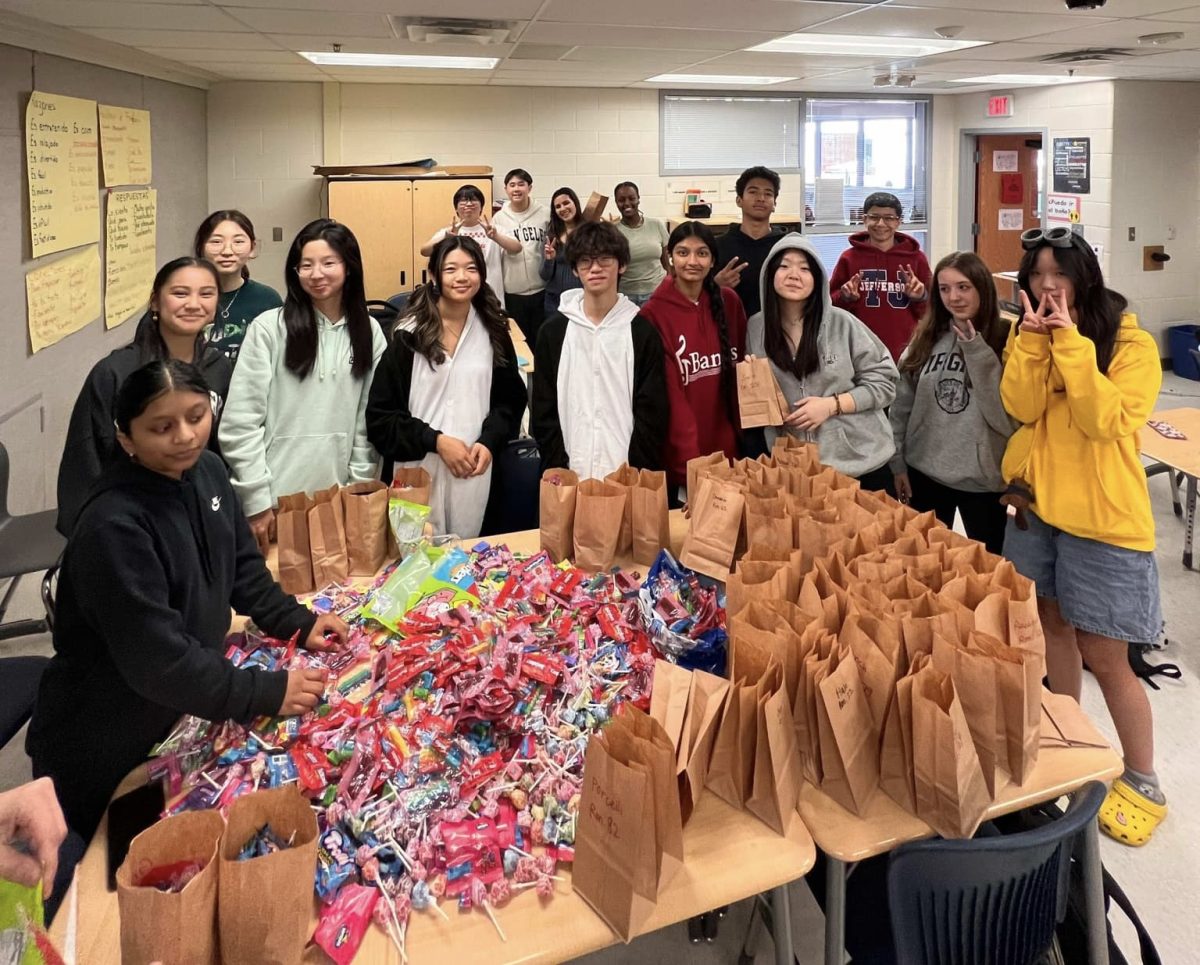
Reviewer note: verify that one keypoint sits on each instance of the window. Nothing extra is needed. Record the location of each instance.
(717, 134)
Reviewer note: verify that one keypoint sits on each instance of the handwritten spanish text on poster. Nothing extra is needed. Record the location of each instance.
(129, 253)
(125, 144)
(63, 297)
(1062, 207)
(64, 172)
(1072, 165)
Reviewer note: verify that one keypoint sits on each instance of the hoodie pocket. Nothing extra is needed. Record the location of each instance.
(989, 462)
(308, 463)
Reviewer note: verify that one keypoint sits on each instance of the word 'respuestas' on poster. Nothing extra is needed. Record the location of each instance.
(62, 297)
(129, 253)
(64, 172)
(125, 145)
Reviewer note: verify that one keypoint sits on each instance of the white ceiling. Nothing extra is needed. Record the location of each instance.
(619, 43)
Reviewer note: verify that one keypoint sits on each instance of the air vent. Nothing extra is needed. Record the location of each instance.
(540, 52)
(1089, 55)
(432, 30)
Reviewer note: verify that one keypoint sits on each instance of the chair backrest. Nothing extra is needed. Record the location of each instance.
(1195, 354)
(987, 901)
(3, 483)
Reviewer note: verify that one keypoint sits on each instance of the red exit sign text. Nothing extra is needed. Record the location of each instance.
(1000, 106)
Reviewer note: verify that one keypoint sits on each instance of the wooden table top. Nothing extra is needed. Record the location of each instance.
(1181, 454)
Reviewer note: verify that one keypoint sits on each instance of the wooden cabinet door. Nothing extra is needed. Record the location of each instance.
(433, 208)
(379, 212)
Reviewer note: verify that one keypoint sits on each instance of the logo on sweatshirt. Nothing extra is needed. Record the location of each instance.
(216, 504)
(875, 283)
(695, 365)
(953, 388)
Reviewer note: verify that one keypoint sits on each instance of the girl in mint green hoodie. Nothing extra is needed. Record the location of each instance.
(296, 416)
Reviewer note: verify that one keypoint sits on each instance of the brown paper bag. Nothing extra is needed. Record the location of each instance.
(756, 580)
(758, 630)
(849, 741)
(759, 398)
(556, 512)
(625, 477)
(974, 676)
(876, 665)
(295, 557)
(596, 203)
(777, 774)
(698, 467)
(787, 450)
(366, 508)
(651, 517)
(1018, 695)
(706, 705)
(669, 696)
(615, 869)
(896, 748)
(327, 538)
(181, 927)
(599, 512)
(412, 484)
(1024, 624)
(731, 767)
(768, 526)
(252, 929)
(712, 538)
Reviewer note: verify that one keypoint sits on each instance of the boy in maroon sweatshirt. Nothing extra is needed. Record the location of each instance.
(883, 277)
(703, 330)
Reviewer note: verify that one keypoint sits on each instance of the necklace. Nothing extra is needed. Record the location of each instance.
(225, 310)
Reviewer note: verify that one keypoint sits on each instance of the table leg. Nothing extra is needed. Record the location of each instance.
(1190, 525)
(835, 911)
(1093, 884)
(781, 915)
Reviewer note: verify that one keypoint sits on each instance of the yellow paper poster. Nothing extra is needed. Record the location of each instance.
(63, 297)
(129, 253)
(64, 172)
(125, 144)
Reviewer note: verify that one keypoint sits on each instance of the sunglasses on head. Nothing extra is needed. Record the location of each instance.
(1060, 237)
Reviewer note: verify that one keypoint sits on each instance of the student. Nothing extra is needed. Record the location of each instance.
(1081, 377)
(741, 251)
(160, 554)
(447, 394)
(183, 301)
(647, 239)
(469, 221)
(599, 397)
(559, 277)
(296, 419)
(948, 421)
(836, 374)
(226, 238)
(703, 331)
(523, 220)
(883, 276)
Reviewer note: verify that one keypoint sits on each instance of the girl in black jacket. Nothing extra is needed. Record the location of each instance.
(448, 395)
(159, 554)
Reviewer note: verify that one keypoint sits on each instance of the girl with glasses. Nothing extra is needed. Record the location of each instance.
(470, 221)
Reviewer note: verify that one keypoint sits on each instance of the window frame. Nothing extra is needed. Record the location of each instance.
(801, 108)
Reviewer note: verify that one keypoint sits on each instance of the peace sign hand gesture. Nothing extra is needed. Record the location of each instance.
(455, 224)
(1032, 321)
(1056, 313)
(914, 288)
(852, 289)
(489, 229)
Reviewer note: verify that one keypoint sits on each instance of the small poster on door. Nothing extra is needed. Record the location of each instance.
(1004, 161)
(1012, 219)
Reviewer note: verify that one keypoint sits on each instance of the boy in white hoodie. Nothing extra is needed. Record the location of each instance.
(524, 220)
(599, 386)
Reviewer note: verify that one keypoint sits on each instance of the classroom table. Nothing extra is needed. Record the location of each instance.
(1177, 456)
(729, 855)
(846, 838)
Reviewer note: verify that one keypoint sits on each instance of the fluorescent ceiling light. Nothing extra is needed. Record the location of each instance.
(722, 80)
(855, 45)
(1039, 80)
(328, 58)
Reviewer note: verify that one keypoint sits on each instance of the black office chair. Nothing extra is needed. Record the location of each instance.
(19, 679)
(989, 900)
(388, 312)
(28, 544)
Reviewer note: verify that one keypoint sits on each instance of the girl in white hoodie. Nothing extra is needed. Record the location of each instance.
(296, 416)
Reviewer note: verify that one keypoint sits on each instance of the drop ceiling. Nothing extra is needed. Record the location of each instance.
(620, 43)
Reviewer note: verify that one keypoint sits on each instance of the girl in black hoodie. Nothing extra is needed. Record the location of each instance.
(183, 302)
(158, 556)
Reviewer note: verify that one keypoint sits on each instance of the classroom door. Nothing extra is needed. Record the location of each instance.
(1006, 196)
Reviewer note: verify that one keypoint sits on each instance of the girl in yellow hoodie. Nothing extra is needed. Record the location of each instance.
(1081, 378)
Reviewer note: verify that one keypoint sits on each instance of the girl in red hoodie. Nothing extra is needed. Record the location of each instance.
(703, 329)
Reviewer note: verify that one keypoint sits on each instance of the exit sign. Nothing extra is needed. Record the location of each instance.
(1000, 106)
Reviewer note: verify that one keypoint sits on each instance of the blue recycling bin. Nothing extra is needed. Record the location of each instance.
(1181, 340)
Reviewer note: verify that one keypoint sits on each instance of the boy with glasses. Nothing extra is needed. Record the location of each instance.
(883, 277)
(599, 384)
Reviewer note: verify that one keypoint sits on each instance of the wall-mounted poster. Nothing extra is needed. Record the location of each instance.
(1072, 165)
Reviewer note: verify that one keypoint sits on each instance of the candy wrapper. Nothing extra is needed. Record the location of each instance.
(344, 922)
(407, 523)
(684, 616)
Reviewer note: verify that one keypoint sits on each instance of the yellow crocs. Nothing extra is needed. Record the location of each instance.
(1129, 816)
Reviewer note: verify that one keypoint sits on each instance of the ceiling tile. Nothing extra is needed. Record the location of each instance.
(1187, 14)
(473, 9)
(223, 55)
(906, 21)
(117, 14)
(365, 45)
(1117, 8)
(653, 38)
(251, 71)
(333, 25)
(191, 38)
(628, 56)
(766, 15)
(1124, 33)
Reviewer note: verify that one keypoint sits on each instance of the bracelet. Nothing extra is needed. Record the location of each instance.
(837, 401)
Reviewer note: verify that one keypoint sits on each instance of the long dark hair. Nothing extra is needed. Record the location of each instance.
(142, 386)
(558, 227)
(299, 316)
(806, 359)
(423, 310)
(147, 338)
(1098, 307)
(716, 304)
(936, 321)
(209, 225)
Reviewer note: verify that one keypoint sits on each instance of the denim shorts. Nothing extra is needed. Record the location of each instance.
(1100, 588)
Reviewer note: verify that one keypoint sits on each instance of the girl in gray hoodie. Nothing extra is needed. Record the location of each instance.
(836, 374)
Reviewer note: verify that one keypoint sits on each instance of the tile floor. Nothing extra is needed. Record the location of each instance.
(1162, 879)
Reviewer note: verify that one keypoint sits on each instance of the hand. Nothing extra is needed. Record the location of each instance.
(853, 288)
(903, 487)
(304, 691)
(489, 229)
(550, 249)
(455, 454)
(914, 288)
(334, 626)
(731, 275)
(30, 814)
(483, 458)
(965, 330)
(810, 413)
(455, 224)
(262, 525)
(1056, 314)
(1032, 321)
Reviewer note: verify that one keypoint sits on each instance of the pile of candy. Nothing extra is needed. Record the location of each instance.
(264, 841)
(173, 877)
(448, 748)
(684, 614)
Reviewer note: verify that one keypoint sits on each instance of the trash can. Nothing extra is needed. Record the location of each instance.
(1182, 340)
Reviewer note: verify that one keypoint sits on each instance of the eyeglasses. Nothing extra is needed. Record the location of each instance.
(307, 268)
(240, 243)
(1060, 237)
(881, 219)
(600, 261)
